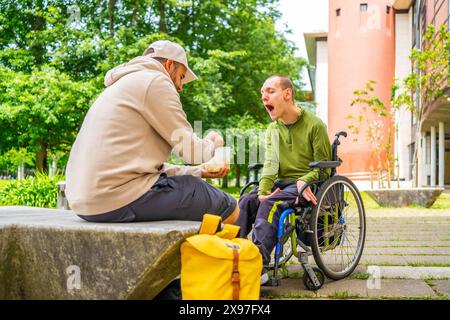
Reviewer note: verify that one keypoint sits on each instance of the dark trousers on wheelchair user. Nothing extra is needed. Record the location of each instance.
(264, 216)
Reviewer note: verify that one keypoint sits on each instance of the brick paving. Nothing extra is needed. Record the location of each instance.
(410, 245)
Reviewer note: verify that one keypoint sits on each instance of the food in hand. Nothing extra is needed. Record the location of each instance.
(213, 167)
(220, 160)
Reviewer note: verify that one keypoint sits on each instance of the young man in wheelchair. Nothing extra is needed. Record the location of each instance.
(295, 138)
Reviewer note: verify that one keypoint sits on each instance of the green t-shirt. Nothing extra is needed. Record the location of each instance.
(289, 150)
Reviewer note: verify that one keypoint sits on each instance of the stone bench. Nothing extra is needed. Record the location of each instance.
(424, 197)
(53, 254)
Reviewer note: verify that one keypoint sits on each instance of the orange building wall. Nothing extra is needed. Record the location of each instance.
(361, 48)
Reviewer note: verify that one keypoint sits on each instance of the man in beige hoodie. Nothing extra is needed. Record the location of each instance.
(117, 171)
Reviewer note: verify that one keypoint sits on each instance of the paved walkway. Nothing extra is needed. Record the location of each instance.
(409, 249)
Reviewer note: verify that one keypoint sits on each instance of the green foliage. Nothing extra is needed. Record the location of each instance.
(42, 109)
(12, 159)
(54, 54)
(233, 191)
(431, 66)
(40, 191)
(3, 183)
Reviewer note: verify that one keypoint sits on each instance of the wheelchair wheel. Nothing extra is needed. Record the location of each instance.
(338, 223)
(309, 284)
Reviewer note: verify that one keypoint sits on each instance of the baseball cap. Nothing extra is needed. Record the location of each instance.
(171, 50)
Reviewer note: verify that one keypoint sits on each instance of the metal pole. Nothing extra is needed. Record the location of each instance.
(61, 202)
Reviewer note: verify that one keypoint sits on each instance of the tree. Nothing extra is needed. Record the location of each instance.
(431, 77)
(56, 52)
(41, 111)
(373, 112)
(19, 158)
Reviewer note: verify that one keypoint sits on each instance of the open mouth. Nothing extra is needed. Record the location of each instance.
(269, 107)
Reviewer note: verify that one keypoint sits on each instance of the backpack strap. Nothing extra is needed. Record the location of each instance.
(235, 279)
(210, 224)
(228, 231)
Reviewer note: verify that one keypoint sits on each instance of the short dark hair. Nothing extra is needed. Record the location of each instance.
(285, 83)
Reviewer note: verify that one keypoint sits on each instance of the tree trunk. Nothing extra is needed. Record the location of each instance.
(388, 175)
(371, 177)
(41, 158)
(111, 12)
(137, 4)
(225, 182)
(238, 176)
(247, 176)
(162, 16)
(415, 171)
(416, 152)
(37, 47)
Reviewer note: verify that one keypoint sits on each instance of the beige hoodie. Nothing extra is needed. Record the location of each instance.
(127, 135)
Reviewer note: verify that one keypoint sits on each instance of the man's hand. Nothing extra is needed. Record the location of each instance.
(216, 138)
(263, 198)
(307, 194)
(211, 175)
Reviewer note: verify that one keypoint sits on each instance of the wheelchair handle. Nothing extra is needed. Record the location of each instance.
(341, 133)
(334, 147)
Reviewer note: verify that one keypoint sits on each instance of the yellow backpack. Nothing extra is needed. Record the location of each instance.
(218, 266)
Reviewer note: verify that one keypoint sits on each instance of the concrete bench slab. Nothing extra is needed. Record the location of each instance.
(53, 254)
(424, 197)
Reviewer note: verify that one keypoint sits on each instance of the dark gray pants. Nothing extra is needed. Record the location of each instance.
(172, 198)
(265, 215)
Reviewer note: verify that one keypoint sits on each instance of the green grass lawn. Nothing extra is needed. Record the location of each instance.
(443, 202)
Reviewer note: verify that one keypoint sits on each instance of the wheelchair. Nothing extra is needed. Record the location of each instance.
(333, 231)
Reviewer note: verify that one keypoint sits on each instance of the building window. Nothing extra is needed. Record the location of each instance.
(338, 12)
(388, 9)
(363, 7)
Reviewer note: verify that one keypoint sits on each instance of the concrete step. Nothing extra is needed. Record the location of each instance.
(355, 288)
(405, 260)
(433, 244)
(408, 237)
(407, 251)
(397, 260)
(406, 272)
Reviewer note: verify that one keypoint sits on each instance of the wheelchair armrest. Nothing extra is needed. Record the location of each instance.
(256, 166)
(242, 191)
(324, 164)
